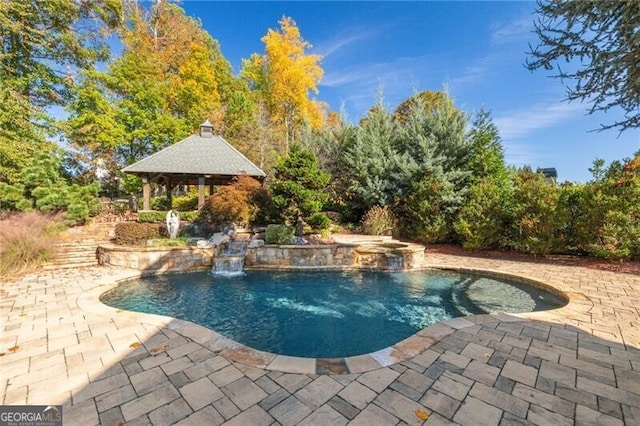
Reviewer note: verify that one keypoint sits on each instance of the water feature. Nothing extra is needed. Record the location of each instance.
(395, 262)
(231, 261)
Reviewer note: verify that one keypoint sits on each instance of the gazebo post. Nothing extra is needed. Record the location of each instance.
(201, 183)
(169, 195)
(146, 193)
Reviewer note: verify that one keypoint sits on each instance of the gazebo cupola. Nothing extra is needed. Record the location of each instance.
(201, 159)
(206, 130)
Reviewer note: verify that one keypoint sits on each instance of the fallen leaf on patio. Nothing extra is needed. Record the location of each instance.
(422, 415)
(157, 349)
(14, 349)
(23, 315)
(134, 345)
(2, 353)
(487, 355)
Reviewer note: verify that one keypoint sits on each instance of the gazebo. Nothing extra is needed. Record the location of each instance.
(201, 159)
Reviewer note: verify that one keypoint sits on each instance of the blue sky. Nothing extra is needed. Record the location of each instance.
(476, 50)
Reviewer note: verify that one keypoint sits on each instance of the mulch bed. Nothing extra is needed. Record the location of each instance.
(625, 267)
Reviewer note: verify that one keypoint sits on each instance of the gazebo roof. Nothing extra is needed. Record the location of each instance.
(203, 154)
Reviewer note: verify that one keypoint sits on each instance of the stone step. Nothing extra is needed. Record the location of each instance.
(73, 255)
(54, 266)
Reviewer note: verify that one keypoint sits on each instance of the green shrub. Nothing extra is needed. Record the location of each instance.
(379, 221)
(319, 222)
(299, 186)
(152, 216)
(279, 234)
(160, 203)
(186, 203)
(618, 237)
(612, 221)
(26, 241)
(536, 224)
(137, 234)
(483, 220)
(42, 187)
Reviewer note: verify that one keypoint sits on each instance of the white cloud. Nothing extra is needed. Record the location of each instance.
(396, 80)
(402, 71)
(521, 154)
(342, 41)
(518, 125)
(524, 122)
(479, 69)
(516, 31)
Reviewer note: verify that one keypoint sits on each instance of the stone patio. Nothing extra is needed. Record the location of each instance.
(575, 365)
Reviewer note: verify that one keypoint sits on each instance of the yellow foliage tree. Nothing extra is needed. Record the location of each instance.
(183, 58)
(287, 77)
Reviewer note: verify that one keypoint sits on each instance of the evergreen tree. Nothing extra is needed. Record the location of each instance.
(41, 187)
(483, 219)
(486, 156)
(370, 162)
(298, 190)
(432, 177)
(328, 145)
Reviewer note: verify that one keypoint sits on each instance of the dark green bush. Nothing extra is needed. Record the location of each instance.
(160, 203)
(299, 187)
(43, 187)
(279, 234)
(137, 234)
(319, 222)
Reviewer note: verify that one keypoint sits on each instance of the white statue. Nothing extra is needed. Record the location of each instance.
(173, 223)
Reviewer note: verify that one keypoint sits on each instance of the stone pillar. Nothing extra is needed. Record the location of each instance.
(146, 193)
(201, 182)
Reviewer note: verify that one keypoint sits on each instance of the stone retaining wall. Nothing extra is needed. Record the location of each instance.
(156, 259)
(337, 256)
(408, 256)
(329, 256)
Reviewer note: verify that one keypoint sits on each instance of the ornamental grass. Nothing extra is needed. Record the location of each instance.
(26, 242)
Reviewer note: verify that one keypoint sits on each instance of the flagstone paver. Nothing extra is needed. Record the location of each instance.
(576, 365)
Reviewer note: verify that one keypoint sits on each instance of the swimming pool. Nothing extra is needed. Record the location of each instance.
(323, 313)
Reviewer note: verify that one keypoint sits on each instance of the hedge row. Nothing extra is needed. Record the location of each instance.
(161, 216)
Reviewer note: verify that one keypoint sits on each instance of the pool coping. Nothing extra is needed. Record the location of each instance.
(401, 351)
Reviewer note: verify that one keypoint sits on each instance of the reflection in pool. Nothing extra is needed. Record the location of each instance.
(323, 314)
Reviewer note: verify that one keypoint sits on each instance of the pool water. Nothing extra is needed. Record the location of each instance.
(323, 314)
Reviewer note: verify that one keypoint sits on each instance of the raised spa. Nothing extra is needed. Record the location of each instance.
(324, 314)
